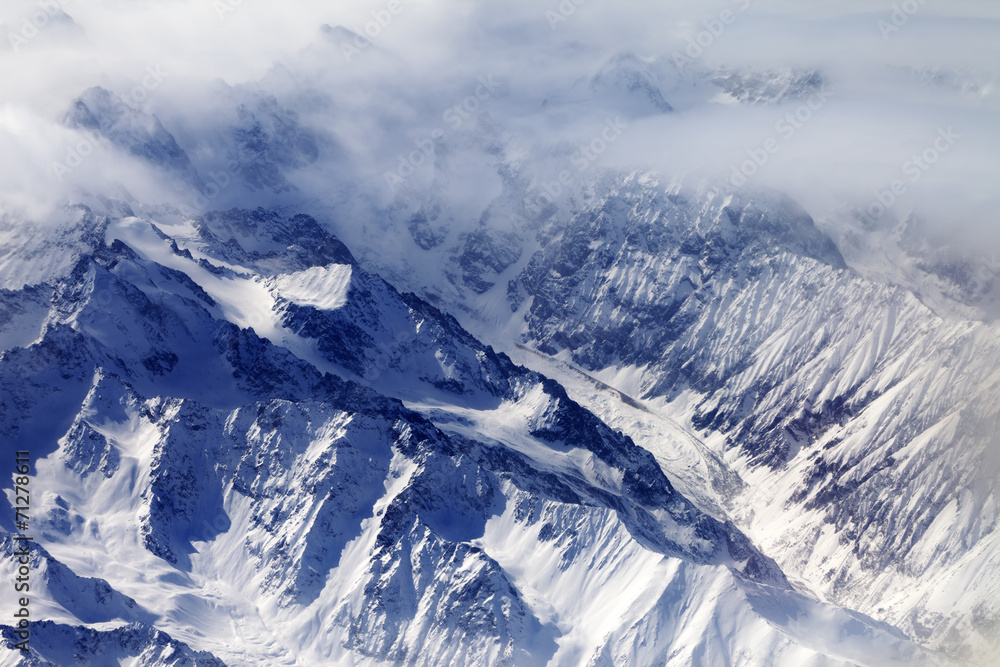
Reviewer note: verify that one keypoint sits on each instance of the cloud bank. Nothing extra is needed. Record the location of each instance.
(900, 116)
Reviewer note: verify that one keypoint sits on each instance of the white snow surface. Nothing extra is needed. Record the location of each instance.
(873, 384)
(324, 287)
(275, 529)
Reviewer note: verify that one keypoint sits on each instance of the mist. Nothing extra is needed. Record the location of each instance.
(895, 79)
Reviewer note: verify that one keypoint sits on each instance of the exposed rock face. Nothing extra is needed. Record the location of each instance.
(132, 130)
(214, 455)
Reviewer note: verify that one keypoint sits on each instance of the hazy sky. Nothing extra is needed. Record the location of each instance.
(897, 80)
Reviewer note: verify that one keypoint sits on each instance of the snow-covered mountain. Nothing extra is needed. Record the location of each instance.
(248, 446)
(856, 422)
(352, 351)
(107, 116)
(866, 408)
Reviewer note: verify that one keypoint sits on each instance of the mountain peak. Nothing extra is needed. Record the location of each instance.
(108, 115)
(626, 80)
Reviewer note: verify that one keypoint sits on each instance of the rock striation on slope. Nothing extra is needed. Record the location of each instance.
(875, 417)
(259, 450)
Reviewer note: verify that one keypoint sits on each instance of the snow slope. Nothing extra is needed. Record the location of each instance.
(735, 436)
(860, 424)
(231, 480)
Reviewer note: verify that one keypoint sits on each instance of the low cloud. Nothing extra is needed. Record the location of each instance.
(374, 83)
